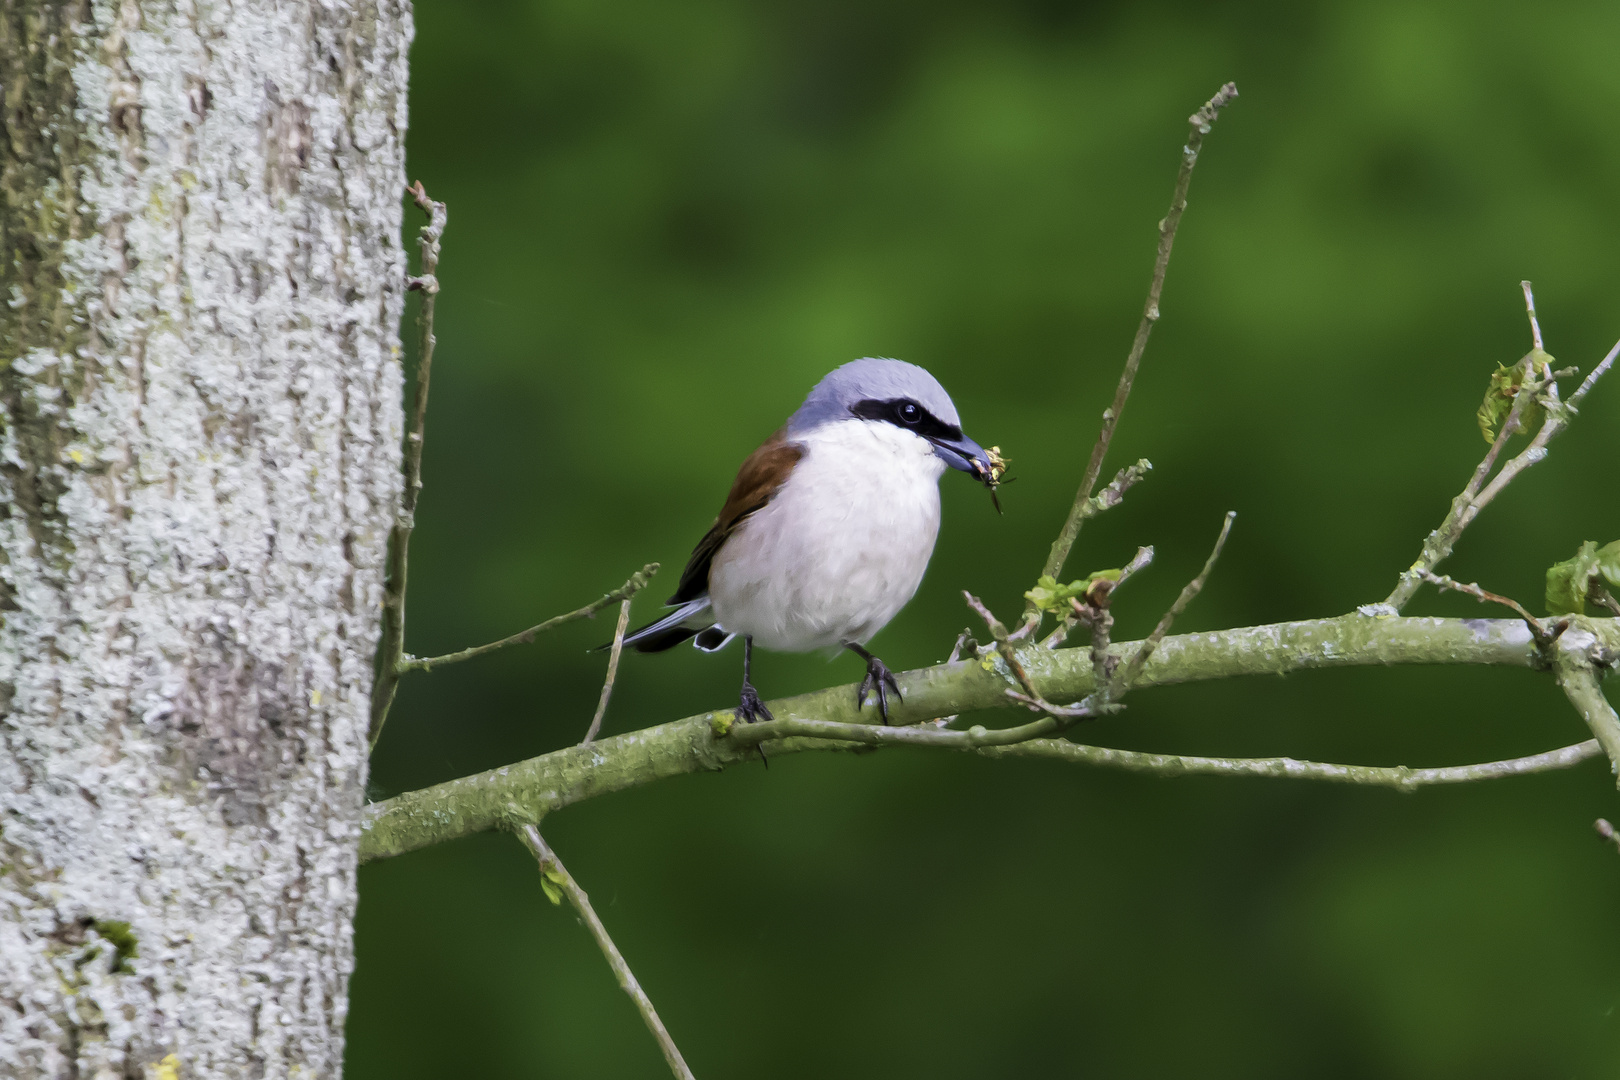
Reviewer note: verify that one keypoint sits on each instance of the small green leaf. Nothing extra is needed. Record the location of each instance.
(1569, 581)
(1608, 557)
(1504, 387)
(551, 880)
(1045, 593)
(1048, 595)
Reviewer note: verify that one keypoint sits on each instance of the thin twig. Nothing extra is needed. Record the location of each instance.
(1398, 776)
(622, 594)
(1139, 562)
(557, 875)
(1114, 493)
(612, 672)
(1083, 709)
(1032, 740)
(1476, 496)
(1530, 307)
(1538, 630)
(1005, 642)
(392, 647)
(1100, 621)
(908, 735)
(1188, 593)
(1591, 380)
(1083, 508)
(998, 629)
(964, 640)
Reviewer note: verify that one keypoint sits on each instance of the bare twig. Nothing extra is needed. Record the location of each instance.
(1139, 562)
(1005, 642)
(1114, 493)
(1591, 380)
(1188, 594)
(998, 629)
(612, 672)
(964, 640)
(909, 735)
(555, 875)
(1083, 507)
(1083, 709)
(1099, 619)
(622, 594)
(1538, 629)
(1033, 740)
(1478, 495)
(1530, 307)
(392, 647)
(1399, 776)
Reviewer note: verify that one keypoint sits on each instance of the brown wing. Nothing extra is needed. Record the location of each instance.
(757, 482)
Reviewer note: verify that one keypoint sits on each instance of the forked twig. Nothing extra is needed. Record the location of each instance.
(622, 594)
(392, 647)
(1477, 495)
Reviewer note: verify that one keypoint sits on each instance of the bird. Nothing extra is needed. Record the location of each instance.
(828, 527)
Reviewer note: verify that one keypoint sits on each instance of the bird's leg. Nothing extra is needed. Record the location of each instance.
(750, 708)
(878, 678)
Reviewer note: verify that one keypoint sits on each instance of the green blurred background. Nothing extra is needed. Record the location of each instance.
(668, 220)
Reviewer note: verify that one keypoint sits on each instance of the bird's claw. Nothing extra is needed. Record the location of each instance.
(878, 682)
(750, 709)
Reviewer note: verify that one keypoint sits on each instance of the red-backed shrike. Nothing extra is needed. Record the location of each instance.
(828, 527)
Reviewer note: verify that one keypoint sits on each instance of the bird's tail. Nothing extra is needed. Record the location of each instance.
(691, 619)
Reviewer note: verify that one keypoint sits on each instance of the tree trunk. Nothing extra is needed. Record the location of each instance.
(200, 212)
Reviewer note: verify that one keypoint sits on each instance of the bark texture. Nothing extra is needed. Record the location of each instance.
(200, 211)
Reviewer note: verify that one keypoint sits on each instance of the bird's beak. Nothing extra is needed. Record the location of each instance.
(965, 454)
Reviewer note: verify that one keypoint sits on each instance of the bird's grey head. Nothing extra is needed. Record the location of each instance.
(894, 392)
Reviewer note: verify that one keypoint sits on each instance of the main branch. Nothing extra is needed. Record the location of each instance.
(522, 793)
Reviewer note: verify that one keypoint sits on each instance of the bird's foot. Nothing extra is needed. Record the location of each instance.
(878, 682)
(750, 709)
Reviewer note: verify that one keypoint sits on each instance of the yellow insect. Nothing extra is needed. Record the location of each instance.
(992, 478)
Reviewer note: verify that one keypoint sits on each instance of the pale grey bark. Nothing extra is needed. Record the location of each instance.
(200, 210)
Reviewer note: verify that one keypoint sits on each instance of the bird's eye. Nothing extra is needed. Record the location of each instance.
(909, 412)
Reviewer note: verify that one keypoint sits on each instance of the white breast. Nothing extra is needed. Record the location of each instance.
(841, 548)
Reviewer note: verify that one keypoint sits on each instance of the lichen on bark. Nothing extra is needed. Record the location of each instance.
(199, 448)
